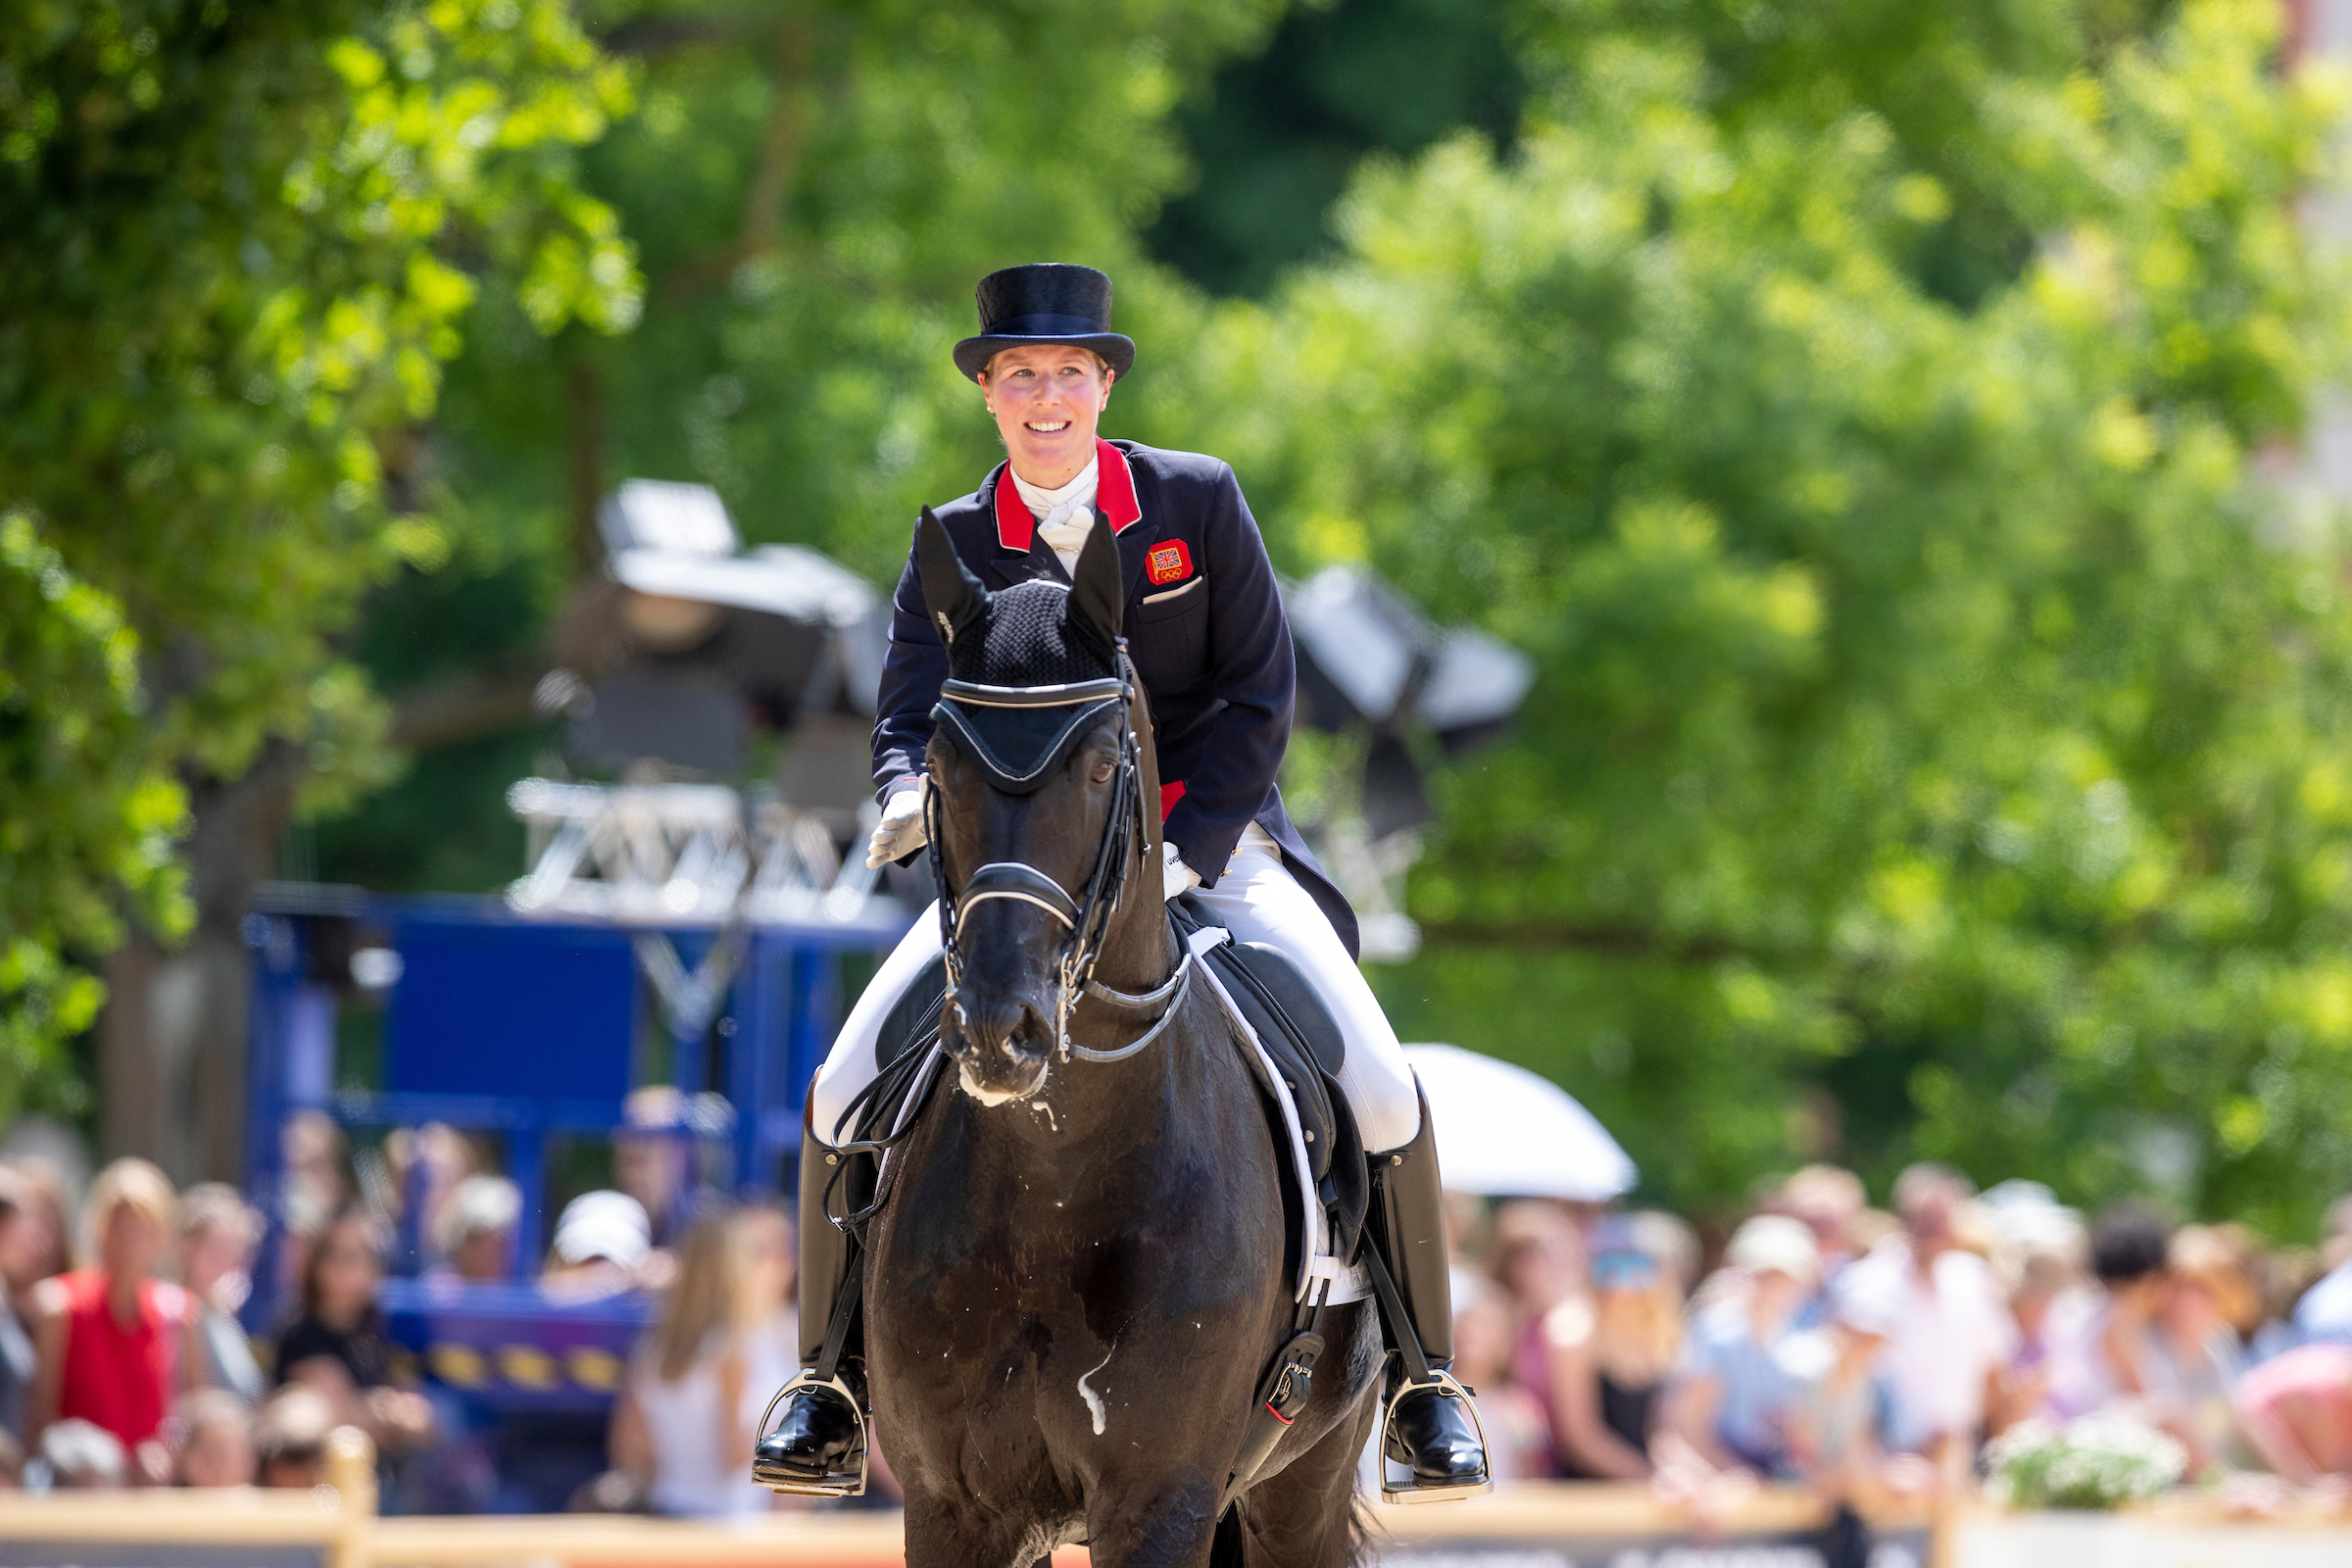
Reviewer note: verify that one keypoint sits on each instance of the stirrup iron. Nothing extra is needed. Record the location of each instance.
(1408, 1493)
(842, 1482)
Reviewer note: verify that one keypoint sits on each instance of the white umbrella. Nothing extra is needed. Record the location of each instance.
(1508, 1132)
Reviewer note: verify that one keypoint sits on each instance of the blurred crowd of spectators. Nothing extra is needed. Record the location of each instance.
(126, 1359)
(1866, 1353)
(1870, 1353)
(122, 1361)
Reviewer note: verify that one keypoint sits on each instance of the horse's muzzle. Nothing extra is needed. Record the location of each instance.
(1002, 1042)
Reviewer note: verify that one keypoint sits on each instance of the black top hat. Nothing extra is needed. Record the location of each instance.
(1045, 301)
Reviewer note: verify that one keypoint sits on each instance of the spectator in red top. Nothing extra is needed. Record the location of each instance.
(116, 1345)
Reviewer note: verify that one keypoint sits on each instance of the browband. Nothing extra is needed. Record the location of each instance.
(1076, 691)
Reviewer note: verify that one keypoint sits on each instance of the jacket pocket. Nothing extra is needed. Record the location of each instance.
(1169, 638)
(1178, 592)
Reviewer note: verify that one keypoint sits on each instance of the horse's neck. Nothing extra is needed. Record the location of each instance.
(1138, 949)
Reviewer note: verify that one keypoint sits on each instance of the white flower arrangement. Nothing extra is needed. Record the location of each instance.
(2096, 1462)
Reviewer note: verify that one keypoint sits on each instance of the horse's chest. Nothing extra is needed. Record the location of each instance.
(1030, 1348)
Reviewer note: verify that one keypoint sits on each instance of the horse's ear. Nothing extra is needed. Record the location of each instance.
(953, 596)
(1096, 593)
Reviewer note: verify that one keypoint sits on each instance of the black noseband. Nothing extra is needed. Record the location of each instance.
(1011, 879)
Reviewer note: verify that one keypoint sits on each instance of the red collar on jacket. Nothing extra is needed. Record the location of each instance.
(1114, 499)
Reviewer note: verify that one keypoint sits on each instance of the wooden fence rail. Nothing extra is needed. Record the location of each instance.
(1529, 1525)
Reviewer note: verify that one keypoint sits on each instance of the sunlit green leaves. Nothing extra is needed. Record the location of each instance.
(238, 247)
(85, 816)
(1861, 413)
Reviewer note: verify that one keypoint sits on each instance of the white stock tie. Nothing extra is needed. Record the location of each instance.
(1064, 514)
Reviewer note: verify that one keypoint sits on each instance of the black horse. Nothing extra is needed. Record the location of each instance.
(1077, 1278)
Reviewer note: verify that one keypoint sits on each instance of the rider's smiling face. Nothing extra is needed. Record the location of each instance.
(1047, 399)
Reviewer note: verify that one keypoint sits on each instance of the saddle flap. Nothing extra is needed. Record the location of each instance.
(1301, 1077)
(904, 1041)
(912, 1021)
(1304, 1017)
(1299, 1033)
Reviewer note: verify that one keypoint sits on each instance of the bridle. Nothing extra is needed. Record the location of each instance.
(963, 711)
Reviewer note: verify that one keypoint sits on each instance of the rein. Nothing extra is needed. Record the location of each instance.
(1087, 917)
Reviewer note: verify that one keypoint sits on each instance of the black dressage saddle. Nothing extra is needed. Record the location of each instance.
(1279, 1004)
(908, 1031)
(1273, 994)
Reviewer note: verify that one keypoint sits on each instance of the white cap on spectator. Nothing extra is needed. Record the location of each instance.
(82, 1453)
(1870, 1300)
(1775, 1244)
(604, 1224)
(477, 1205)
(2028, 1216)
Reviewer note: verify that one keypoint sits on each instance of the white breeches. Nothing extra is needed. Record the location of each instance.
(1260, 902)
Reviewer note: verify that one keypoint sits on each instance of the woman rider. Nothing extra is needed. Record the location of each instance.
(1207, 633)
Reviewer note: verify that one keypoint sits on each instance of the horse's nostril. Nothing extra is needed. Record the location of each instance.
(1005, 1027)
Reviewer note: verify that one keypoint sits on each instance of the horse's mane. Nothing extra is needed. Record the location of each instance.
(1027, 637)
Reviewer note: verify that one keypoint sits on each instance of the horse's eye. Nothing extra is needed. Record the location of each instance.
(1104, 768)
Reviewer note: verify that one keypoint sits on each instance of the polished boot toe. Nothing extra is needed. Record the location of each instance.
(1433, 1431)
(816, 1445)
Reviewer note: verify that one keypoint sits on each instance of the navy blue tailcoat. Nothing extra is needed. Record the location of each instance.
(1205, 626)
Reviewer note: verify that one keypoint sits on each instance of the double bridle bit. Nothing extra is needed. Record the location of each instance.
(1087, 917)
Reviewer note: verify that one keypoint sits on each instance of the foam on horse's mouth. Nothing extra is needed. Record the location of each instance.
(994, 1097)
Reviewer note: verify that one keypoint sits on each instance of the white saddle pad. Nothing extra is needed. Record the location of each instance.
(1316, 1258)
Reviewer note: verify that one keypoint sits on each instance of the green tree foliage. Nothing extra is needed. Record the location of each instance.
(1275, 134)
(1868, 416)
(815, 188)
(85, 818)
(236, 242)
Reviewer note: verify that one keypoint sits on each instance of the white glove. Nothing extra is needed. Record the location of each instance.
(1174, 875)
(902, 830)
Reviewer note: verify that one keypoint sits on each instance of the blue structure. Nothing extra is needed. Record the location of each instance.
(527, 1029)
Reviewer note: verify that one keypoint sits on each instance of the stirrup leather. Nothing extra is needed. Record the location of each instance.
(1408, 1493)
(842, 1482)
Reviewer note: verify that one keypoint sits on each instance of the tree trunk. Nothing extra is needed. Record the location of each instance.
(172, 1041)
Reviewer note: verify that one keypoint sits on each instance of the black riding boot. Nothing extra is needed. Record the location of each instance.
(818, 1444)
(1431, 1426)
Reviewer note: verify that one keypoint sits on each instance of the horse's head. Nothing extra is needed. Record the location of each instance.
(1037, 791)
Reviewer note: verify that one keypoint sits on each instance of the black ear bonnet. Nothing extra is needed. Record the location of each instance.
(1027, 636)
(1019, 747)
(1030, 670)
(1022, 640)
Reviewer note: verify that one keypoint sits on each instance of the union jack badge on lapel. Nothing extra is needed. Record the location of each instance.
(1169, 561)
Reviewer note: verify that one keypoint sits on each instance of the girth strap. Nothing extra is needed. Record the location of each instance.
(1282, 1394)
